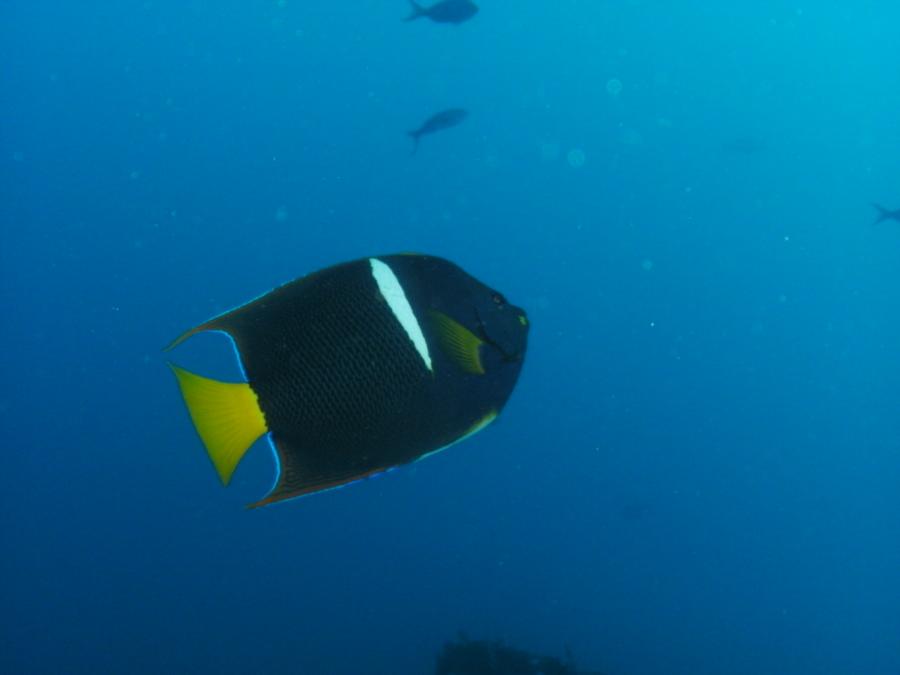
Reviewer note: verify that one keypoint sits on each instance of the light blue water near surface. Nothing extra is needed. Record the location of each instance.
(698, 473)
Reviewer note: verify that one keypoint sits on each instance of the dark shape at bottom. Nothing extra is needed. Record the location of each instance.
(484, 657)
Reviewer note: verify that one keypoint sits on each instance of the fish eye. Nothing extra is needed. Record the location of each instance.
(498, 299)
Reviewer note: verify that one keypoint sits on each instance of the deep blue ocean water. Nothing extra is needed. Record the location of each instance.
(698, 473)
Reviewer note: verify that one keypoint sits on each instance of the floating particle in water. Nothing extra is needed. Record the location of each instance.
(576, 158)
(549, 151)
(647, 265)
(134, 175)
(614, 87)
(281, 214)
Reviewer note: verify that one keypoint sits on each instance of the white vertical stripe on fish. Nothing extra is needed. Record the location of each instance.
(393, 293)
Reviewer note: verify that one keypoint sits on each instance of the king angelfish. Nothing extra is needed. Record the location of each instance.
(358, 368)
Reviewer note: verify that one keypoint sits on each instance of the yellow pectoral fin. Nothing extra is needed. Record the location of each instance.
(226, 415)
(458, 342)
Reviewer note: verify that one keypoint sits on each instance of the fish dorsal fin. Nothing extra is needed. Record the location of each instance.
(458, 342)
(226, 415)
(185, 335)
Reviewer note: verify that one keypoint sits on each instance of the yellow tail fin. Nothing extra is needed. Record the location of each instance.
(227, 417)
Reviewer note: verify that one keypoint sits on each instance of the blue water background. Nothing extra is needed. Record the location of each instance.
(699, 471)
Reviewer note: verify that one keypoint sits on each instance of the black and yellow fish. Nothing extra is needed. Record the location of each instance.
(358, 368)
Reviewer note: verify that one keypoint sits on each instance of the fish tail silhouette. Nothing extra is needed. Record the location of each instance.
(883, 213)
(416, 11)
(414, 135)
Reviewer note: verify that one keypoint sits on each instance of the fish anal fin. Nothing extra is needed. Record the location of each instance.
(296, 479)
(226, 415)
(458, 342)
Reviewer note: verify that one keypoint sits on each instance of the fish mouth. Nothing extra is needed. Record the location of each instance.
(513, 356)
(508, 357)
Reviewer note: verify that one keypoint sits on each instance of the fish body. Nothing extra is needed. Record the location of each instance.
(446, 11)
(438, 122)
(358, 368)
(886, 214)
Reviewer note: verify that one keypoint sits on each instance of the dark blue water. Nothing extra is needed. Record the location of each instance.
(698, 473)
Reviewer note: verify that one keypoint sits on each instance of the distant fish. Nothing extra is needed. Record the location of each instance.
(886, 214)
(445, 11)
(438, 122)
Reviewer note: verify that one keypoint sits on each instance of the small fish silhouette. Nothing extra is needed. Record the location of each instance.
(446, 11)
(437, 122)
(886, 214)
